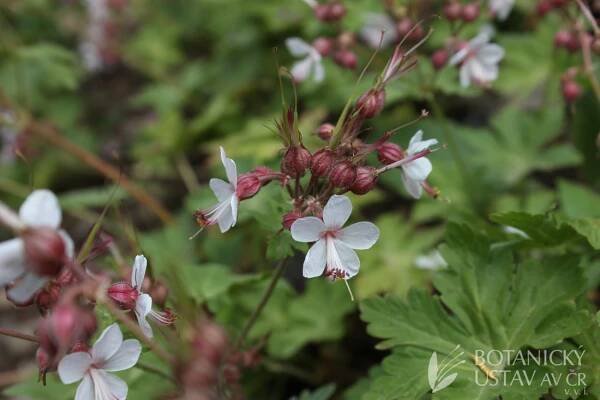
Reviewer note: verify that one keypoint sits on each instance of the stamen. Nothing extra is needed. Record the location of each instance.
(349, 290)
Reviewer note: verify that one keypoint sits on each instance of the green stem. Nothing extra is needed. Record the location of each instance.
(152, 369)
(261, 305)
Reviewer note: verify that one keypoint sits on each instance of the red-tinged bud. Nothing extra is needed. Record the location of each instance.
(321, 162)
(366, 178)
(571, 91)
(66, 325)
(345, 58)
(439, 58)
(47, 297)
(46, 361)
(159, 293)
(371, 103)
(405, 26)
(325, 131)
(247, 186)
(573, 45)
(453, 10)
(562, 38)
(289, 218)
(323, 45)
(211, 342)
(337, 11)
(295, 161)
(343, 174)
(389, 152)
(45, 250)
(544, 7)
(470, 12)
(123, 294)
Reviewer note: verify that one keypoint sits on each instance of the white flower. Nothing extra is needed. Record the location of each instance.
(479, 60)
(376, 25)
(501, 8)
(310, 64)
(143, 303)
(39, 210)
(225, 212)
(415, 172)
(333, 249)
(110, 353)
(432, 261)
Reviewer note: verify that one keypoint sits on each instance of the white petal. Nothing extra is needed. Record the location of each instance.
(337, 211)
(27, 287)
(307, 229)
(298, 47)
(143, 306)
(230, 168)
(316, 258)
(116, 386)
(69, 245)
(375, 25)
(12, 260)
(126, 357)
(138, 272)
(41, 208)
(413, 187)
(234, 209)
(107, 344)
(459, 56)
(73, 367)
(360, 236)
(418, 169)
(490, 54)
(416, 138)
(319, 72)
(465, 75)
(484, 36)
(225, 219)
(349, 259)
(482, 72)
(301, 69)
(221, 189)
(85, 390)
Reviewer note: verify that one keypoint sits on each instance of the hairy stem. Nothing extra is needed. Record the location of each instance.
(18, 335)
(261, 305)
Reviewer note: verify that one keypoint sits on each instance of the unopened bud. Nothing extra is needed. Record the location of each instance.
(470, 12)
(123, 294)
(407, 28)
(325, 131)
(47, 297)
(343, 174)
(345, 58)
(295, 161)
(323, 45)
(371, 103)
(439, 58)
(66, 325)
(562, 38)
(45, 250)
(452, 10)
(366, 178)
(289, 218)
(544, 7)
(571, 91)
(247, 186)
(573, 44)
(389, 152)
(321, 162)
(211, 342)
(330, 12)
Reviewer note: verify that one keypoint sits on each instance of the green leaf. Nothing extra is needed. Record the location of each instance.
(323, 393)
(578, 201)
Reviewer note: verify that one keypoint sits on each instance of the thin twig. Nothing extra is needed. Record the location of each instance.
(18, 335)
(187, 174)
(51, 135)
(261, 305)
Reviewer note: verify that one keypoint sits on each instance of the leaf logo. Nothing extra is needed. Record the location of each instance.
(440, 376)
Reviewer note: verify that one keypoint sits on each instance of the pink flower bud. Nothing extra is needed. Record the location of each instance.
(573, 44)
(371, 103)
(66, 325)
(544, 7)
(44, 250)
(570, 91)
(366, 178)
(470, 12)
(405, 28)
(389, 152)
(123, 294)
(295, 161)
(211, 342)
(452, 10)
(323, 45)
(562, 38)
(345, 58)
(247, 186)
(439, 58)
(321, 162)
(289, 218)
(47, 297)
(343, 174)
(325, 131)
(330, 12)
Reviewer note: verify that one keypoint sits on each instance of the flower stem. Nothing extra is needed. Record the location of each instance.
(18, 335)
(261, 305)
(152, 369)
(51, 135)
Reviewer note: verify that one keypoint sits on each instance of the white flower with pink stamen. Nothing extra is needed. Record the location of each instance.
(110, 353)
(478, 59)
(333, 250)
(224, 213)
(310, 63)
(40, 242)
(415, 172)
